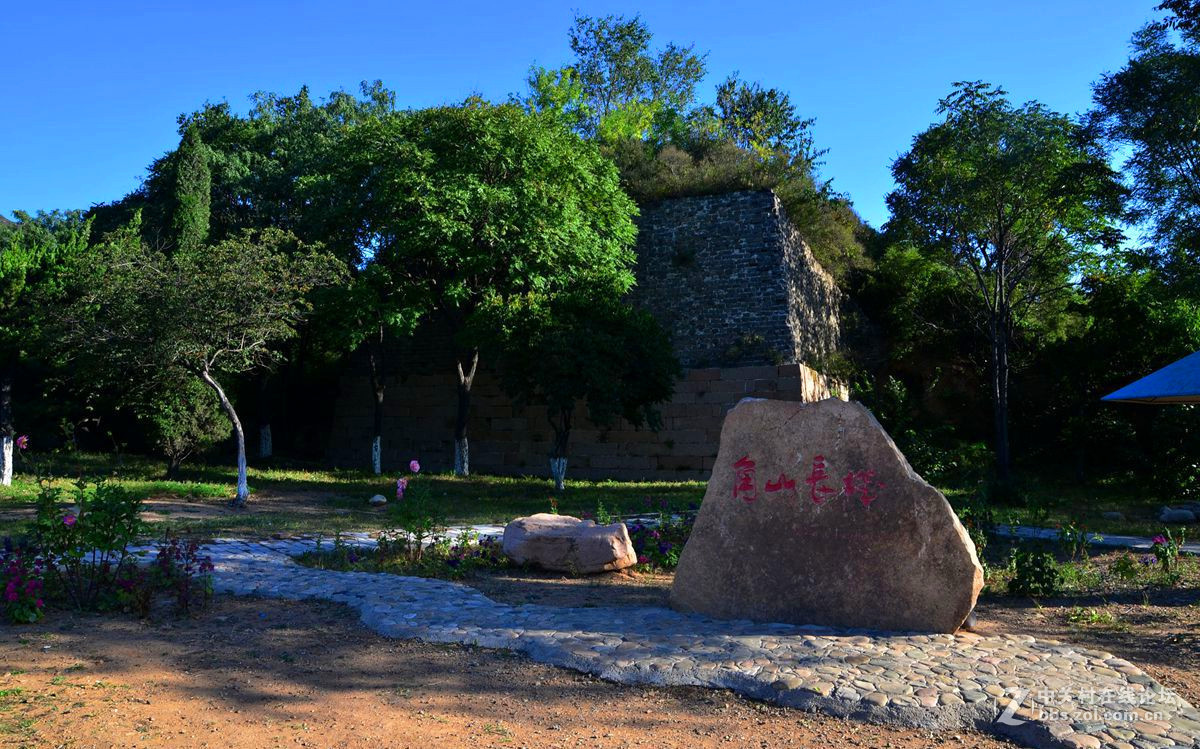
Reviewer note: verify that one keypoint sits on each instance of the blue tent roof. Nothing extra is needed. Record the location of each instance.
(1175, 383)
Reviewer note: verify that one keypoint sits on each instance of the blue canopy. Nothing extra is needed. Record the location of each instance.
(1175, 383)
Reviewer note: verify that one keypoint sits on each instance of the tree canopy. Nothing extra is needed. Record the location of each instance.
(1014, 201)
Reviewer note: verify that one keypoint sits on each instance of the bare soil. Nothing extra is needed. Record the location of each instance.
(267, 673)
(252, 673)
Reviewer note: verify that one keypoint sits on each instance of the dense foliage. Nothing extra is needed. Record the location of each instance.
(993, 310)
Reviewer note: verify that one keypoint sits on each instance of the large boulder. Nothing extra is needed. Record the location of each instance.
(813, 516)
(567, 544)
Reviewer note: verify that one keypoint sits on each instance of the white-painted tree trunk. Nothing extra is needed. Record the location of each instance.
(239, 436)
(377, 456)
(462, 457)
(558, 471)
(6, 460)
(266, 447)
(243, 483)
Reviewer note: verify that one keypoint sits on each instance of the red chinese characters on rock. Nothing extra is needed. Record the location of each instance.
(782, 484)
(743, 483)
(860, 484)
(817, 491)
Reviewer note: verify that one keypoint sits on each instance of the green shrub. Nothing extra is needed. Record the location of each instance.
(86, 546)
(1035, 573)
(185, 418)
(1125, 567)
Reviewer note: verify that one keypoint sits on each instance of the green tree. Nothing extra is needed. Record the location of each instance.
(373, 312)
(482, 204)
(193, 192)
(184, 417)
(618, 87)
(763, 120)
(624, 369)
(35, 252)
(214, 313)
(1014, 200)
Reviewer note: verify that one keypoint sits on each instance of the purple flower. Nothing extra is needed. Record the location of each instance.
(69, 520)
(643, 559)
(414, 466)
(401, 485)
(664, 547)
(23, 442)
(1161, 540)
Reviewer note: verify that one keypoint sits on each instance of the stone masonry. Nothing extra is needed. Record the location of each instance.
(732, 281)
(747, 308)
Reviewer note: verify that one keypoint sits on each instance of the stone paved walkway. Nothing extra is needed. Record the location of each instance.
(1056, 695)
(1109, 540)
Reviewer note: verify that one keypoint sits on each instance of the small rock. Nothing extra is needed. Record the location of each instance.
(377, 501)
(567, 544)
(1170, 515)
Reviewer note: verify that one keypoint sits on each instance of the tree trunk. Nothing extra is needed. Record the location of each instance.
(558, 454)
(375, 358)
(466, 377)
(6, 429)
(999, 333)
(243, 484)
(266, 448)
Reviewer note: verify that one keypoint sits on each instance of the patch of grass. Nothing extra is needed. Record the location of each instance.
(1090, 617)
(335, 500)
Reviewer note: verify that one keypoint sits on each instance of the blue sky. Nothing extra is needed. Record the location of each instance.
(92, 90)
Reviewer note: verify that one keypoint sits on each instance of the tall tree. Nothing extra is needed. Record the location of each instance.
(35, 253)
(1150, 110)
(373, 312)
(480, 203)
(1013, 200)
(212, 314)
(763, 120)
(624, 370)
(618, 87)
(193, 192)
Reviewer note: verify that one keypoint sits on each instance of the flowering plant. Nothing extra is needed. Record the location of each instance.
(22, 442)
(21, 577)
(85, 548)
(659, 544)
(418, 521)
(1166, 550)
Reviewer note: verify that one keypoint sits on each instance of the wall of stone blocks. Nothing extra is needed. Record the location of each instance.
(508, 440)
(736, 288)
(733, 283)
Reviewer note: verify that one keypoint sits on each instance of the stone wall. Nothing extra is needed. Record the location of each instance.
(745, 305)
(732, 281)
(419, 423)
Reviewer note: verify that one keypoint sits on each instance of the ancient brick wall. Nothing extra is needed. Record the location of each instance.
(419, 423)
(732, 281)
(745, 305)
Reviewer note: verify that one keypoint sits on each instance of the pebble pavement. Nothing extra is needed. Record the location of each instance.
(1041, 692)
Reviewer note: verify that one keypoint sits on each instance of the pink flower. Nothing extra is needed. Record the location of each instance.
(643, 559)
(38, 603)
(401, 485)
(23, 442)
(1160, 540)
(69, 520)
(414, 466)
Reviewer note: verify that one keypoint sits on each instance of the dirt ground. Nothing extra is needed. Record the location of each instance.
(254, 673)
(267, 673)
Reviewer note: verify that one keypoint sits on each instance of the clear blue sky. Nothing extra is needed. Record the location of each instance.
(92, 89)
